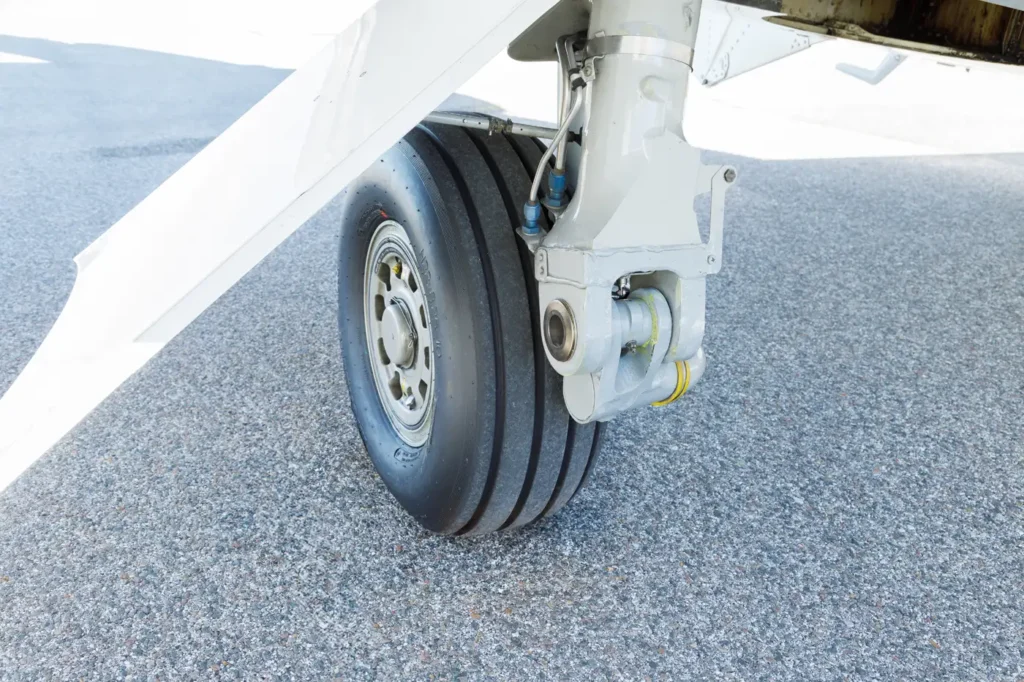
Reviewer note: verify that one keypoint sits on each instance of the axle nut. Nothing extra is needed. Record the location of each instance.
(559, 330)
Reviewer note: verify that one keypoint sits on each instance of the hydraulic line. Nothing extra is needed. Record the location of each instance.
(577, 103)
(566, 62)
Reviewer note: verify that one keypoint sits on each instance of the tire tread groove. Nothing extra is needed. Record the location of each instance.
(581, 440)
(499, 349)
(570, 443)
(538, 414)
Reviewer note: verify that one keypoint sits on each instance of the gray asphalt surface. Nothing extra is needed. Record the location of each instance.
(841, 498)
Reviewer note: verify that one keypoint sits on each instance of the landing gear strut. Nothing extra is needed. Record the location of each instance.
(489, 326)
(632, 219)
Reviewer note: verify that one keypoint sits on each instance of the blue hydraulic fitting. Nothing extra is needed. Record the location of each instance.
(556, 188)
(531, 214)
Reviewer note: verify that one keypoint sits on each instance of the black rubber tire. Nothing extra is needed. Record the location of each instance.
(503, 450)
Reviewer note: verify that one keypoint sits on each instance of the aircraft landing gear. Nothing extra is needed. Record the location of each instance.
(472, 327)
(460, 411)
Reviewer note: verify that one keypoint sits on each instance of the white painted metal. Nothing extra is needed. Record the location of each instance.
(734, 39)
(879, 73)
(175, 253)
(644, 324)
(8, 58)
(633, 210)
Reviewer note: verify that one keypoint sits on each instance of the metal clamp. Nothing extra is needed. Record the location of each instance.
(640, 45)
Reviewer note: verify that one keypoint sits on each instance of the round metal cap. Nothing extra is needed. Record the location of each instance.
(397, 334)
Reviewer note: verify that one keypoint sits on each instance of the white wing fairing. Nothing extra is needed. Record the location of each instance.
(174, 254)
(733, 40)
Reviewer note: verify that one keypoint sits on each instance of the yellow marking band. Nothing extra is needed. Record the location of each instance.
(682, 383)
(654, 322)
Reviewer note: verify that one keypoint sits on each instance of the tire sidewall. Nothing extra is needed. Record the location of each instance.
(395, 188)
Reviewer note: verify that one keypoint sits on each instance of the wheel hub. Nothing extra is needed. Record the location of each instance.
(398, 333)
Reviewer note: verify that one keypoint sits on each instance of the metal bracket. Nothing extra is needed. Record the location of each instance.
(635, 238)
(640, 45)
(532, 241)
(642, 323)
(633, 215)
(670, 257)
(876, 75)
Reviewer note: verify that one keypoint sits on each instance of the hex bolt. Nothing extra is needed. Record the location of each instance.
(409, 400)
(730, 175)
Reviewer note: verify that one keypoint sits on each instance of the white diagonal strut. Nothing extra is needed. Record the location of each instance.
(174, 254)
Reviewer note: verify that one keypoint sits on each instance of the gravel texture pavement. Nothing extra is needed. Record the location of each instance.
(841, 498)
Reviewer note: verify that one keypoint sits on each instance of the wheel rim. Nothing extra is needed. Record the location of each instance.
(398, 335)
